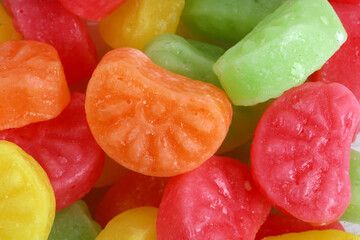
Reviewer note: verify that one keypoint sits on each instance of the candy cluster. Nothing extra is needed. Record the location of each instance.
(179, 119)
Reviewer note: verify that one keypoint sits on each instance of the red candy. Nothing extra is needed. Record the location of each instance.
(301, 150)
(48, 21)
(93, 10)
(66, 150)
(281, 224)
(344, 66)
(131, 191)
(218, 200)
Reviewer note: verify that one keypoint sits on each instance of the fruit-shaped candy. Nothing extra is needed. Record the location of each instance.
(300, 152)
(153, 121)
(93, 10)
(136, 223)
(27, 203)
(48, 21)
(218, 200)
(194, 60)
(281, 51)
(7, 30)
(74, 223)
(33, 86)
(136, 22)
(228, 20)
(317, 235)
(65, 148)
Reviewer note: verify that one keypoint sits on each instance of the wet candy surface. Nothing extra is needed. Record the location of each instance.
(301, 150)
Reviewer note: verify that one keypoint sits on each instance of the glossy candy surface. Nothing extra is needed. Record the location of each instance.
(27, 203)
(301, 150)
(228, 20)
(194, 60)
(7, 30)
(218, 200)
(317, 235)
(48, 21)
(344, 66)
(33, 86)
(280, 52)
(153, 121)
(93, 10)
(131, 191)
(65, 148)
(136, 22)
(134, 224)
(280, 224)
(74, 223)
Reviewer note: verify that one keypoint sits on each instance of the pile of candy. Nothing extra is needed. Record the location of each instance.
(209, 119)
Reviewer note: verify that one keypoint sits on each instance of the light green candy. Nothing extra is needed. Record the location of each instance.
(281, 51)
(74, 223)
(352, 213)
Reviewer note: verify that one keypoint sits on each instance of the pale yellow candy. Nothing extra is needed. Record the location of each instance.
(133, 224)
(317, 235)
(7, 30)
(27, 201)
(136, 22)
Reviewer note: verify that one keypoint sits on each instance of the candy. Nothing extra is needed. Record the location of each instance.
(93, 10)
(300, 151)
(27, 204)
(280, 224)
(48, 21)
(33, 86)
(131, 191)
(137, 223)
(111, 173)
(317, 235)
(7, 30)
(344, 66)
(228, 20)
(65, 148)
(153, 121)
(218, 200)
(136, 22)
(195, 59)
(352, 213)
(281, 51)
(74, 223)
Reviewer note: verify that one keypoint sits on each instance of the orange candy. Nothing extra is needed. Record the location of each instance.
(153, 121)
(32, 83)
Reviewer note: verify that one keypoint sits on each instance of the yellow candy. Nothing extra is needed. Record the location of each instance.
(27, 201)
(136, 22)
(7, 30)
(133, 224)
(316, 235)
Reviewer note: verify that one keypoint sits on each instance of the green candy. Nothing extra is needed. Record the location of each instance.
(281, 51)
(74, 223)
(228, 20)
(352, 213)
(194, 60)
(189, 58)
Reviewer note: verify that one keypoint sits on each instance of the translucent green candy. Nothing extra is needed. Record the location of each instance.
(352, 213)
(228, 20)
(194, 60)
(74, 223)
(281, 51)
